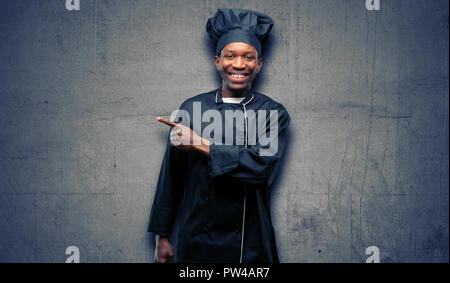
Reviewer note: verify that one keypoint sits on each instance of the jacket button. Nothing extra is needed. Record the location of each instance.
(207, 198)
(236, 231)
(206, 228)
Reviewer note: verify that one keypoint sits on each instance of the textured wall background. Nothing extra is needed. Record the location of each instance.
(367, 92)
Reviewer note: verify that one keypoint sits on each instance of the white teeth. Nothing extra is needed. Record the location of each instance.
(237, 76)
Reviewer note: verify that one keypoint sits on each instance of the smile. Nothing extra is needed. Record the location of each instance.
(238, 77)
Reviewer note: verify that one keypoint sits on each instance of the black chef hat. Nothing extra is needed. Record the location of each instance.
(238, 25)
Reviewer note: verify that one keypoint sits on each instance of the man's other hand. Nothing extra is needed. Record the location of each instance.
(164, 251)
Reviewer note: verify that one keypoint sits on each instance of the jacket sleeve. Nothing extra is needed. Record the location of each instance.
(169, 192)
(249, 165)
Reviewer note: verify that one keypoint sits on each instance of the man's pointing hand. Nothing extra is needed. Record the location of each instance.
(185, 138)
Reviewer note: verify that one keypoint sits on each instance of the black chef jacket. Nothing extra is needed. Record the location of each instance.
(225, 204)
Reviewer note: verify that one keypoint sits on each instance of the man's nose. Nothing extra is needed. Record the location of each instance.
(238, 63)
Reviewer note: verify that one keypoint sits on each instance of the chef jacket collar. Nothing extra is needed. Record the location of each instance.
(247, 99)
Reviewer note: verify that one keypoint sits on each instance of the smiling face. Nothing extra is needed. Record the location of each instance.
(238, 64)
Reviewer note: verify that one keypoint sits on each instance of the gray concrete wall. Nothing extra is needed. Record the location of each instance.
(367, 91)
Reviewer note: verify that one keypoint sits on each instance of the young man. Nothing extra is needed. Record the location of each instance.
(222, 155)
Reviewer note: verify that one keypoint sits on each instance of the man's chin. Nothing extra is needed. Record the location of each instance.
(238, 88)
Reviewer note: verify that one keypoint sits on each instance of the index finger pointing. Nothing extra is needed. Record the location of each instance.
(166, 121)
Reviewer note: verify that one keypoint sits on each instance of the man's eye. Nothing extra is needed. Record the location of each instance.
(228, 56)
(249, 58)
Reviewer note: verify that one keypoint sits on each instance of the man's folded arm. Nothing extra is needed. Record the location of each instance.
(255, 164)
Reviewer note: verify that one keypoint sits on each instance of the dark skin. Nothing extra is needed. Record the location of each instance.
(238, 64)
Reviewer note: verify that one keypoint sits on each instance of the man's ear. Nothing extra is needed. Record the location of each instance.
(216, 61)
(260, 62)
